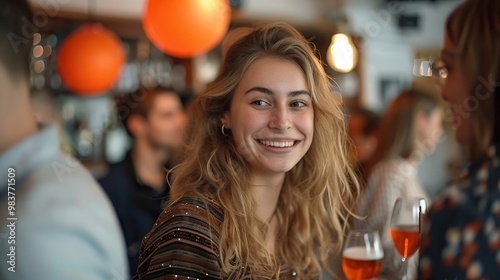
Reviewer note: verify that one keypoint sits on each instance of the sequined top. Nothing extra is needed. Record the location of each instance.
(462, 231)
(184, 244)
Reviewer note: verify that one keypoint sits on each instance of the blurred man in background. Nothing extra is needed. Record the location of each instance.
(55, 221)
(137, 186)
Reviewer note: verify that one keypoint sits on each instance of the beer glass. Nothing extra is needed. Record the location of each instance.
(362, 255)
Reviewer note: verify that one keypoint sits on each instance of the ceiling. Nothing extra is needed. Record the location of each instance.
(315, 17)
(298, 11)
(124, 16)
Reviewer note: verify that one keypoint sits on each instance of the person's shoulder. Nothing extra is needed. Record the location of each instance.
(64, 176)
(393, 164)
(393, 169)
(188, 230)
(187, 207)
(459, 200)
(191, 201)
(62, 186)
(382, 170)
(191, 214)
(118, 175)
(62, 202)
(63, 192)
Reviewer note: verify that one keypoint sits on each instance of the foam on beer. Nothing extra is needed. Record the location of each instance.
(360, 253)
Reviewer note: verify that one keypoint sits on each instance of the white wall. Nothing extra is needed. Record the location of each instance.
(388, 51)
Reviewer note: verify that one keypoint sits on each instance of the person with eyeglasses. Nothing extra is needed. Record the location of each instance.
(461, 234)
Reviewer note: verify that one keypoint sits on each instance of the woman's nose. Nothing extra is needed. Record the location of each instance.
(280, 119)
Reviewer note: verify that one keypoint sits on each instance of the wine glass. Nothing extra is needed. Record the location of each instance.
(405, 227)
(362, 255)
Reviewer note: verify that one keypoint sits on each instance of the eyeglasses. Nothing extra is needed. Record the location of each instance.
(439, 72)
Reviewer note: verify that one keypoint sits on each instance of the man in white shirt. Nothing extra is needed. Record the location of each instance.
(55, 221)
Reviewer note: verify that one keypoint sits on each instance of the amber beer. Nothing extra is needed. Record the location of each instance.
(406, 239)
(357, 264)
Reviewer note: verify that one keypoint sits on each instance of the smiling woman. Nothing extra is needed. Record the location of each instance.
(268, 196)
(271, 117)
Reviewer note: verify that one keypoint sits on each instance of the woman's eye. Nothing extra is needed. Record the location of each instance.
(298, 104)
(260, 103)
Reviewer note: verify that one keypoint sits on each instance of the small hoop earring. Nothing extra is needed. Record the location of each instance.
(223, 130)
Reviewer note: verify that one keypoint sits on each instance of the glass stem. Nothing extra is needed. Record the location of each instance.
(405, 269)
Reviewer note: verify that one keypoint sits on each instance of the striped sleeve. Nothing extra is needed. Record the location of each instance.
(183, 243)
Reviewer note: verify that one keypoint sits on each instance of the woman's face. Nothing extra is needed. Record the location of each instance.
(271, 117)
(456, 91)
(431, 130)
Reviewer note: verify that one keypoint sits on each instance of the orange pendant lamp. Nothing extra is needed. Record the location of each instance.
(186, 28)
(91, 60)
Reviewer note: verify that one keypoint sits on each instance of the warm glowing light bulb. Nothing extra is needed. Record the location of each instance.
(342, 55)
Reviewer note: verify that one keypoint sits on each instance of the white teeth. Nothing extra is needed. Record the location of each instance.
(280, 144)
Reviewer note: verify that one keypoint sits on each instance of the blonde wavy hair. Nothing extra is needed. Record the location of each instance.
(474, 28)
(318, 192)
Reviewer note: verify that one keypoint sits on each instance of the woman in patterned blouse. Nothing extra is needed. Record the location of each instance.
(266, 183)
(462, 236)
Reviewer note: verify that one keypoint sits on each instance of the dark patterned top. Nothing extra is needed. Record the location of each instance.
(184, 244)
(462, 238)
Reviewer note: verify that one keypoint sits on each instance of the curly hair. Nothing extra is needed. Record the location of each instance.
(318, 192)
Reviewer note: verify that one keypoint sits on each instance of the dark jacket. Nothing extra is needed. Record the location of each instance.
(137, 205)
